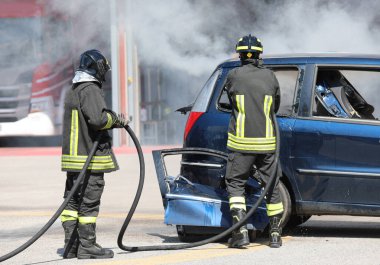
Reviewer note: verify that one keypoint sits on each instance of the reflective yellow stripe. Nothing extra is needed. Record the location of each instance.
(68, 215)
(239, 142)
(237, 199)
(240, 120)
(67, 218)
(97, 162)
(109, 122)
(267, 107)
(256, 140)
(274, 209)
(82, 158)
(237, 203)
(87, 219)
(74, 132)
(238, 206)
(251, 147)
(110, 165)
(246, 48)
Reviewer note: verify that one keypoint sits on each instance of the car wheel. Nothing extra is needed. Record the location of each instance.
(184, 235)
(296, 220)
(188, 234)
(289, 221)
(287, 203)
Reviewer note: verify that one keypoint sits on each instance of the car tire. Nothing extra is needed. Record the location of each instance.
(185, 234)
(289, 221)
(287, 203)
(189, 234)
(296, 220)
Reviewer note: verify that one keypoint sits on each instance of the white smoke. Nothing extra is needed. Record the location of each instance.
(90, 23)
(171, 33)
(196, 35)
(323, 26)
(187, 39)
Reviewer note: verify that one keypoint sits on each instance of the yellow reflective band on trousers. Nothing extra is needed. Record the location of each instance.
(240, 120)
(109, 122)
(267, 107)
(274, 209)
(97, 162)
(68, 215)
(87, 220)
(74, 132)
(237, 203)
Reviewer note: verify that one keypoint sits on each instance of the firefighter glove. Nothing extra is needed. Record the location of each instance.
(118, 120)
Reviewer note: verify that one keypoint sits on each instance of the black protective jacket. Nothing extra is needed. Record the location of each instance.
(254, 94)
(84, 118)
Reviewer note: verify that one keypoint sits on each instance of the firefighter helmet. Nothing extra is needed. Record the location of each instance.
(249, 47)
(95, 64)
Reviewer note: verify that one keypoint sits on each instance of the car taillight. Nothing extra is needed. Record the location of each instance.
(193, 117)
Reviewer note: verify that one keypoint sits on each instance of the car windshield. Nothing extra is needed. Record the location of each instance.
(20, 40)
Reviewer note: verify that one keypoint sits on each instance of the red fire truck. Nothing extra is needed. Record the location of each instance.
(36, 67)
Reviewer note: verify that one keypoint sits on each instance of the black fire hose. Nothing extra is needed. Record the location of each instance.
(199, 243)
(60, 209)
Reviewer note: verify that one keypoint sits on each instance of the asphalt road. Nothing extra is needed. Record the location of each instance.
(31, 189)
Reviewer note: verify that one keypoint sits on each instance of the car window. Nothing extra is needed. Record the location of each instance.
(203, 99)
(287, 78)
(347, 93)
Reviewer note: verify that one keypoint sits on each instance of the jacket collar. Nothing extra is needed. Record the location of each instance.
(256, 62)
(81, 77)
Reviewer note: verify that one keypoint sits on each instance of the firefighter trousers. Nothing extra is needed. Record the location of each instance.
(86, 201)
(239, 169)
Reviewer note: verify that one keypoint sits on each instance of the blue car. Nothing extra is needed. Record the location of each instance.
(330, 145)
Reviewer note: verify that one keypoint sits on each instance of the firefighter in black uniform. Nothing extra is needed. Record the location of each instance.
(85, 116)
(254, 94)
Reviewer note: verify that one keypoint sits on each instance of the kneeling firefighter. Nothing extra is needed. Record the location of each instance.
(254, 94)
(86, 118)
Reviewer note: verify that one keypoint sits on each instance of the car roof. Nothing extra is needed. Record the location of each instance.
(313, 58)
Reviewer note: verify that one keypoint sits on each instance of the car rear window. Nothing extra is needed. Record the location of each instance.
(203, 99)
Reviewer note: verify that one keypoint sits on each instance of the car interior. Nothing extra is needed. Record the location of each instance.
(337, 97)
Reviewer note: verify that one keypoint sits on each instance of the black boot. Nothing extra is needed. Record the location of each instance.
(71, 239)
(275, 231)
(240, 236)
(88, 248)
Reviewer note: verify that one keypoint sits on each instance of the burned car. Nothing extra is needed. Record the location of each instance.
(330, 141)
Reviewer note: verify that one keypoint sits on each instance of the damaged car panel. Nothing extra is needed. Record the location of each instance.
(201, 202)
